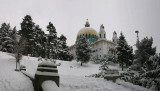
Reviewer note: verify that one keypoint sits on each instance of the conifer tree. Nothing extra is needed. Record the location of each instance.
(63, 53)
(6, 37)
(144, 50)
(83, 50)
(52, 41)
(27, 29)
(124, 51)
(38, 45)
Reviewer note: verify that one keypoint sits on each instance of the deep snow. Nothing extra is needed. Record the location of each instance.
(11, 80)
(72, 76)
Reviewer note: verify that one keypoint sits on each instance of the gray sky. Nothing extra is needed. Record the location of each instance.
(69, 16)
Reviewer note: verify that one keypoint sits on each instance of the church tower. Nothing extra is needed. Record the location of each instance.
(102, 33)
(115, 38)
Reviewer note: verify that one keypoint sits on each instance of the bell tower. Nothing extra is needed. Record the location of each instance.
(115, 38)
(102, 33)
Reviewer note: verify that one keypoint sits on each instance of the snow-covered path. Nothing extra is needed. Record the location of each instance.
(11, 80)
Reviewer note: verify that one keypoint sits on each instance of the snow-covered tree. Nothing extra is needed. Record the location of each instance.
(52, 42)
(83, 50)
(95, 59)
(39, 42)
(63, 53)
(18, 49)
(124, 51)
(27, 29)
(6, 38)
(148, 76)
(144, 51)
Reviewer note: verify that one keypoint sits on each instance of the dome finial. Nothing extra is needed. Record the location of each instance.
(87, 24)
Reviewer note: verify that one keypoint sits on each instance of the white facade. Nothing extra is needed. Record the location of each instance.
(101, 47)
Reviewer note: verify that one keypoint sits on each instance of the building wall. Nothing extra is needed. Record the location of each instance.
(99, 48)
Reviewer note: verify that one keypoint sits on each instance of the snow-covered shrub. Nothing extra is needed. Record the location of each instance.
(95, 59)
(147, 76)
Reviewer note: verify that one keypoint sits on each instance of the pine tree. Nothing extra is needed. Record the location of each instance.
(63, 53)
(124, 51)
(144, 50)
(6, 37)
(39, 44)
(52, 42)
(27, 29)
(83, 51)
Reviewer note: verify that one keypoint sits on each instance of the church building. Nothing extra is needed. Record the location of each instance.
(99, 44)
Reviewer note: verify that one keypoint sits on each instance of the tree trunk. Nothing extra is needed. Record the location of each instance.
(81, 63)
(16, 64)
(122, 66)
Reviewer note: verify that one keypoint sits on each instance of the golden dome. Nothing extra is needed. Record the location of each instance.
(88, 31)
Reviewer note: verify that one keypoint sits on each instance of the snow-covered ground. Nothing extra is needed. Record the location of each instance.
(11, 80)
(72, 76)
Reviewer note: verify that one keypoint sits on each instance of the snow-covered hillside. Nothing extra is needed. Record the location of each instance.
(11, 80)
(72, 76)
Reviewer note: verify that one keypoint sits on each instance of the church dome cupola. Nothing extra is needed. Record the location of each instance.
(102, 33)
(90, 34)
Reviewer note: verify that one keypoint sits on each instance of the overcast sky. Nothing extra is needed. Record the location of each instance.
(69, 16)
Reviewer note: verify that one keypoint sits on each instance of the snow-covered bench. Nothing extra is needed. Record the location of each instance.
(45, 71)
(111, 75)
(22, 67)
(112, 71)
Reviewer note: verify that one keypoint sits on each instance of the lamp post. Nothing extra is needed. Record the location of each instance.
(137, 37)
(17, 51)
(137, 34)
